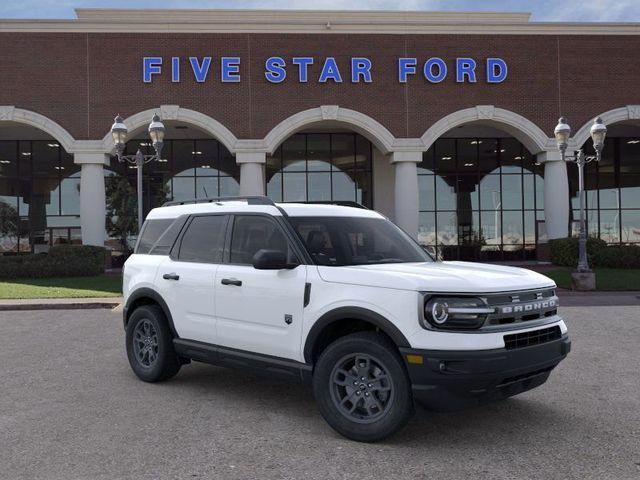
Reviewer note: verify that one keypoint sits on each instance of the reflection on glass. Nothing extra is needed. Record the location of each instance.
(630, 222)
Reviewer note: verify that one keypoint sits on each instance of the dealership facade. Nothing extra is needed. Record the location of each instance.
(441, 121)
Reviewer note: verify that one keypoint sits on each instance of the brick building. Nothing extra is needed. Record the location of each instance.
(442, 121)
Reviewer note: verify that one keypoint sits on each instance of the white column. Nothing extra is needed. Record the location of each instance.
(251, 172)
(556, 194)
(406, 190)
(93, 209)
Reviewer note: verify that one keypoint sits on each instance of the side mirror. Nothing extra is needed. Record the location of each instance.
(271, 260)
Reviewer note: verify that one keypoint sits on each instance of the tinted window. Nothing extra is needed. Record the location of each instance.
(339, 241)
(168, 238)
(204, 240)
(151, 232)
(253, 233)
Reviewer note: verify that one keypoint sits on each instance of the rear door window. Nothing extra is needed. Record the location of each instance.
(203, 241)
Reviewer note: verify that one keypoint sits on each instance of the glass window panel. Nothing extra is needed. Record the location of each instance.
(512, 229)
(206, 157)
(319, 186)
(529, 163)
(592, 222)
(426, 189)
(511, 155)
(363, 153)
(46, 162)
(67, 167)
(228, 165)
(631, 226)
(529, 227)
(491, 224)
(24, 160)
(45, 193)
(183, 158)
(445, 194)
(76, 236)
(629, 156)
(318, 152)
(8, 191)
(183, 188)
(427, 228)
(204, 240)
(274, 163)
(426, 166)
(467, 192)
(63, 221)
(8, 159)
(293, 153)
(610, 226)
(229, 187)
(512, 192)
(295, 187)
(445, 156)
(207, 187)
(528, 191)
(9, 220)
(70, 196)
(447, 228)
(488, 155)
(490, 192)
(364, 195)
(630, 195)
(468, 227)
(467, 154)
(274, 187)
(343, 186)
(253, 233)
(343, 151)
(539, 192)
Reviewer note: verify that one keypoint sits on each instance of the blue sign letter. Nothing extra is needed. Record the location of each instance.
(175, 69)
(360, 66)
(330, 71)
(230, 69)
(150, 66)
(496, 70)
(406, 66)
(303, 65)
(275, 69)
(465, 67)
(200, 71)
(428, 70)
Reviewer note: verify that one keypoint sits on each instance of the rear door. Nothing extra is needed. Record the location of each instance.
(259, 310)
(186, 279)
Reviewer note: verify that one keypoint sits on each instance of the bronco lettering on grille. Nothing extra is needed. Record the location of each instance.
(528, 307)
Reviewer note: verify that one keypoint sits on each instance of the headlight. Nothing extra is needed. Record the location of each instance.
(456, 312)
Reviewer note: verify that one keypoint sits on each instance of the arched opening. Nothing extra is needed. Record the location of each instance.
(39, 190)
(194, 165)
(481, 195)
(612, 187)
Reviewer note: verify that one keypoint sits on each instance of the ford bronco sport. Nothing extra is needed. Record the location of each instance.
(340, 297)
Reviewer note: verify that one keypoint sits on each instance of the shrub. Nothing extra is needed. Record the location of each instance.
(61, 261)
(618, 256)
(564, 251)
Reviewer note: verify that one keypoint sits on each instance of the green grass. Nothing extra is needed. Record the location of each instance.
(72, 287)
(607, 279)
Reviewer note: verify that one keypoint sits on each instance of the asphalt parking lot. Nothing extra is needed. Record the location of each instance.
(70, 408)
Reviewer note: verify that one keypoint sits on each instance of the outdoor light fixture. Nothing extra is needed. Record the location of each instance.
(119, 133)
(562, 133)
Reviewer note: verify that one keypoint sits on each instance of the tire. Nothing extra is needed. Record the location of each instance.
(150, 345)
(384, 403)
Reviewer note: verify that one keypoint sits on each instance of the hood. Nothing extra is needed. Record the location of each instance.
(452, 277)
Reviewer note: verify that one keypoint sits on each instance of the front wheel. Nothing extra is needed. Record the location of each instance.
(362, 388)
(150, 345)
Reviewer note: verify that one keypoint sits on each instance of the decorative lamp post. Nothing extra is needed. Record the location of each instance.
(562, 133)
(156, 132)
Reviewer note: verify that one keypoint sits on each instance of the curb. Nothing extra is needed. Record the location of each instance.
(8, 307)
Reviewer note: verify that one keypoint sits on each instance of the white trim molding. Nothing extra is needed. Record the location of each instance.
(179, 114)
(527, 132)
(629, 112)
(10, 113)
(373, 130)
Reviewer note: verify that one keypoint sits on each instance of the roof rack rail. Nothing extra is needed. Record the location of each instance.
(341, 203)
(251, 200)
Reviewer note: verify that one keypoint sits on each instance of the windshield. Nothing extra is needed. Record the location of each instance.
(343, 241)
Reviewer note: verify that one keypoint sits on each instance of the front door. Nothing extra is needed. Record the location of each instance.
(259, 310)
(187, 280)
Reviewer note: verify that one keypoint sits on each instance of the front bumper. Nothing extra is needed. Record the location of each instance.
(452, 380)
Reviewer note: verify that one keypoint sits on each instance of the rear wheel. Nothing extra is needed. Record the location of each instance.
(150, 345)
(362, 388)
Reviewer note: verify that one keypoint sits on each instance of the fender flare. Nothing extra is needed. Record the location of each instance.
(145, 292)
(356, 313)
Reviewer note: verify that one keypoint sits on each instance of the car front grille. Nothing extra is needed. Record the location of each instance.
(534, 337)
(518, 307)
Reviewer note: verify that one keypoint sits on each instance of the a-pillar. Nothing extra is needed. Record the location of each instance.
(251, 172)
(556, 194)
(406, 190)
(93, 208)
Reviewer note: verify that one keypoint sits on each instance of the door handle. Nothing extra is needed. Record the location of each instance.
(171, 276)
(232, 281)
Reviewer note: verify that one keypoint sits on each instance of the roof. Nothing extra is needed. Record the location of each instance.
(310, 21)
(291, 209)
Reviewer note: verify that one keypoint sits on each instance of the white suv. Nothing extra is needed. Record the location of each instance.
(340, 297)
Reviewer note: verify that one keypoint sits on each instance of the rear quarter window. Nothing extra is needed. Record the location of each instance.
(152, 231)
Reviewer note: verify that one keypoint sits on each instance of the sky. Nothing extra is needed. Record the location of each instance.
(542, 10)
